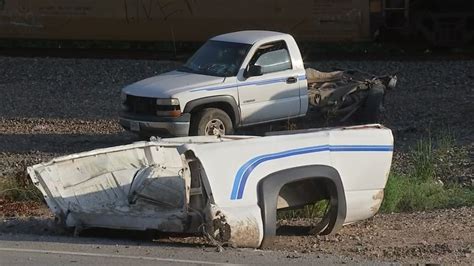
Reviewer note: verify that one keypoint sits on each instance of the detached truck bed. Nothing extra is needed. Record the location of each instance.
(228, 188)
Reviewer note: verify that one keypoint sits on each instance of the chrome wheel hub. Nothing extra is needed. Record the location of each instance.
(215, 127)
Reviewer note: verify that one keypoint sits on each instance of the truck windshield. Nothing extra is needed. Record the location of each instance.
(217, 58)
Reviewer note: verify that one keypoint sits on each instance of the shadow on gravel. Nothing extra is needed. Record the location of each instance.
(62, 143)
(286, 230)
(45, 229)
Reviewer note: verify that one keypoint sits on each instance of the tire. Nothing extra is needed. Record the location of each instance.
(211, 121)
(371, 110)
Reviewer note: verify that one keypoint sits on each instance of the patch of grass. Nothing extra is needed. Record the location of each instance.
(19, 188)
(406, 193)
(423, 160)
(312, 211)
(425, 186)
(446, 141)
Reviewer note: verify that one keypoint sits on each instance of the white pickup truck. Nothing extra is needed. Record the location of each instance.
(240, 79)
(227, 188)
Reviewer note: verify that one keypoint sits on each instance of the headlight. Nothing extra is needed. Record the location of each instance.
(168, 101)
(168, 107)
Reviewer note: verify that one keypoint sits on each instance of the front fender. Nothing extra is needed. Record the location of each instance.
(227, 99)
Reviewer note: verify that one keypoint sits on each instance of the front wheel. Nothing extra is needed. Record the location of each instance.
(211, 121)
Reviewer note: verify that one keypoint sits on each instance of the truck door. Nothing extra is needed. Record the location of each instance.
(274, 94)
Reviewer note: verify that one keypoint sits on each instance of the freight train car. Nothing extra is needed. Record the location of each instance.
(197, 20)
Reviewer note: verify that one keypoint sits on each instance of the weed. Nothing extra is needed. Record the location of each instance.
(446, 140)
(421, 187)
(423, 160)
(19, 188)
(312, 211)
(404, 193)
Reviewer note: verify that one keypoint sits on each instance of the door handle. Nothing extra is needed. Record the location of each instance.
(291, 80)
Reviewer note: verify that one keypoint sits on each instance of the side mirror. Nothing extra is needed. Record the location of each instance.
(253, 71)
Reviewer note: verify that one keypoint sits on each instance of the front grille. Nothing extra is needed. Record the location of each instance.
(141, 105)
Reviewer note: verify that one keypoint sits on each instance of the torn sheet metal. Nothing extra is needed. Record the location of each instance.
(344, 92)
(136, 186)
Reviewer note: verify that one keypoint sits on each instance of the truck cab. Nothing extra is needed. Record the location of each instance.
(234, 80)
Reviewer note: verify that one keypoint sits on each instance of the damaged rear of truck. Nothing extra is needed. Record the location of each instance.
(228, 188)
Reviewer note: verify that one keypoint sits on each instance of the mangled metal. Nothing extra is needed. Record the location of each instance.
(213, 185)
(345, 92)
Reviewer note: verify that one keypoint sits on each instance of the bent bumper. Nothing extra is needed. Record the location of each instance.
(160, 126)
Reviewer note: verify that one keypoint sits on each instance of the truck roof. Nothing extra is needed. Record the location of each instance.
(248, 36)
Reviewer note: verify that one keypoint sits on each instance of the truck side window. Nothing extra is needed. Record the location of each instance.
(272, 57)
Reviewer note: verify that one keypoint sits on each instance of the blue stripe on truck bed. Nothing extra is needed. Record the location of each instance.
(245, 170)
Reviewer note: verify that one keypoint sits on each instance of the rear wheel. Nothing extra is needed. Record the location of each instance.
(211, 121)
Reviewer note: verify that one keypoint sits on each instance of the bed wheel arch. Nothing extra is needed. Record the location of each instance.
(270, 186)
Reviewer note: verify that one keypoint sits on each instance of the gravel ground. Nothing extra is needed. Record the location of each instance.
(443, 236)
(51, 107)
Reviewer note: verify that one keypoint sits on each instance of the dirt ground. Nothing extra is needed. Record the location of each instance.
(442, 236)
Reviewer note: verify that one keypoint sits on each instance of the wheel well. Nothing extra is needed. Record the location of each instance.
(312, 198)
(297, 194)
(226, 107)
(297, 187)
